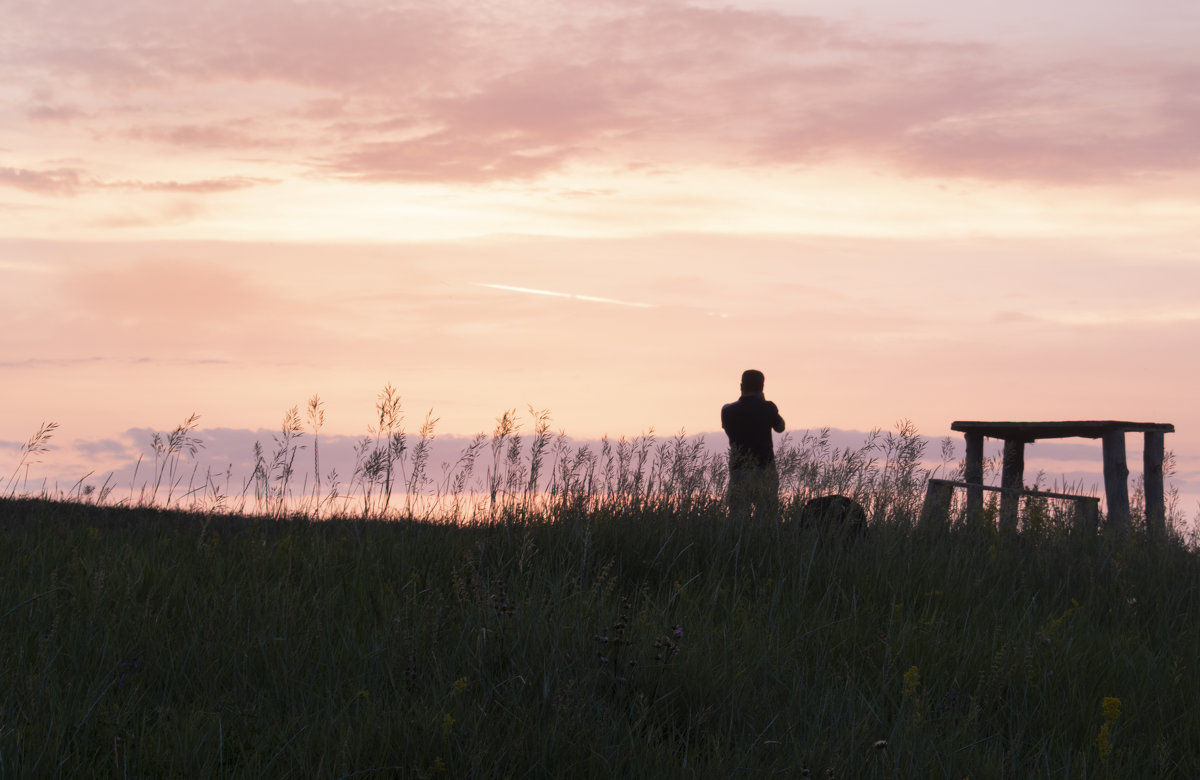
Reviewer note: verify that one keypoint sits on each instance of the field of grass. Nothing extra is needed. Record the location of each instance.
(582, 614)
(648, 638)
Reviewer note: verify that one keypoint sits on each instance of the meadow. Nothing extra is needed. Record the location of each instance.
(583, 614)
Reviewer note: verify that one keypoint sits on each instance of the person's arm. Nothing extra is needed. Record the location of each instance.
(778, 426)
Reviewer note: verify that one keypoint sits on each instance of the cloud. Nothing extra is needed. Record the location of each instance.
(69, 182)
(124, 47)
(72, 181)
(446, 159)
(458, 92)
(54, 113)
(36, 363)
(201, 186)
(106, 448)
(59, 182)
(226, 134)
(572, 296)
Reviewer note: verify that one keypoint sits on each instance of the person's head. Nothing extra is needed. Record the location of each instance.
(752, 381)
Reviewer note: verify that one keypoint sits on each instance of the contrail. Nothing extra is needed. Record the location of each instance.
(553, 294)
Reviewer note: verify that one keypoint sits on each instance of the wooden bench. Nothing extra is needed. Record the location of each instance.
(940, 493)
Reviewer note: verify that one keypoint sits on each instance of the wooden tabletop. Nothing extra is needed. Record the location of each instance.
(1029, 431)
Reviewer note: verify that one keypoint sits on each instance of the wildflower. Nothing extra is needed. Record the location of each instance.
(1110, 707)
(439, 766)
(127, 668)
(912, 681)
(448, 724)
(949, 703)
(881, 744)
(1102, 743)
(460, 685)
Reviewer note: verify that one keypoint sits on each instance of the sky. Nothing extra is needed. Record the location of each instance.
(929, 210)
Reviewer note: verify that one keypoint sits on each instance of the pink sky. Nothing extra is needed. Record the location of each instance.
(916, 210)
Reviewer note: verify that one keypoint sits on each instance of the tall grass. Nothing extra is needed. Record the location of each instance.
(536, 475)
(606, 642)
(602, 616)
(525, 472)
(38, 444)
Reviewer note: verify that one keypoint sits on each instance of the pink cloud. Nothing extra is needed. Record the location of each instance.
(225, 134)
(547, 101)
(223, 40)
(458, 92)
(54, 113)
(68, 182)
(201, 186)
(62, 181)
(442, 157)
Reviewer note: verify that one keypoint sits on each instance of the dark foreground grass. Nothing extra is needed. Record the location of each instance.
(611, 643)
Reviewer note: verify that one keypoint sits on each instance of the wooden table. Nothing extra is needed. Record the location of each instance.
(1016, 435)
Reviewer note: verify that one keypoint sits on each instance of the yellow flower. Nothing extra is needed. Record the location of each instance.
(1111, 709)
(439, 766)
(461, 685)
(1102, 741)
(912, 681)
(448, 724)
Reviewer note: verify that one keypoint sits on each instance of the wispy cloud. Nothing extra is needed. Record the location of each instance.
(119, 362)
(224, 184)
(1126, 317)
(54, 113)
(36, 363)
(572, 296)
(61, 181)
(68, 182)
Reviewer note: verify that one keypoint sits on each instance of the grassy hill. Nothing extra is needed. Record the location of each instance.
(635, 640)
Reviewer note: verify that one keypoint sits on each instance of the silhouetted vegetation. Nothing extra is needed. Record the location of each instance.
(610, 621)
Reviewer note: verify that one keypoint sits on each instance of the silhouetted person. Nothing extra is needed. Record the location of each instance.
(748, 421)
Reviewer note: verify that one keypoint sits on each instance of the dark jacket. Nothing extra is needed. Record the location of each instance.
(748, 422)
